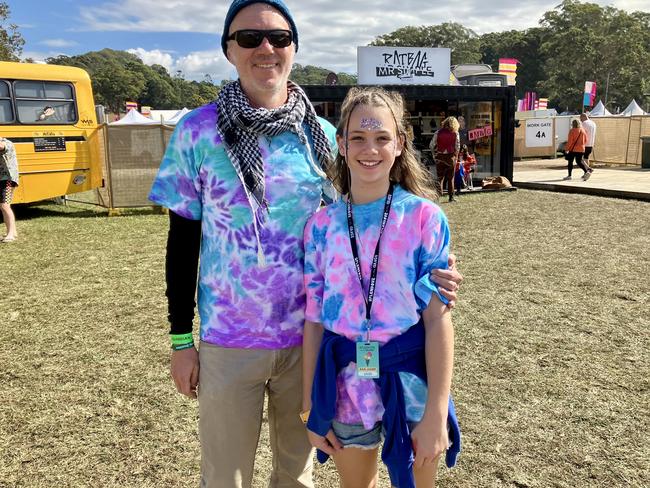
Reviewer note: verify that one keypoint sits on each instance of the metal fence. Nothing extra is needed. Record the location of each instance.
(131, 158)
(618, 139)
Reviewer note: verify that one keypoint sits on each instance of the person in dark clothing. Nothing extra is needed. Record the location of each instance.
(445, 147)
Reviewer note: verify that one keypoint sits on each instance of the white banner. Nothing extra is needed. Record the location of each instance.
(403, 65)
(539, 133)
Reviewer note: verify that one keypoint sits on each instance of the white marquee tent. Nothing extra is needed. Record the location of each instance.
(134, 118)
(162, 115)
(633, 109)
(178, 116)
(599, 110)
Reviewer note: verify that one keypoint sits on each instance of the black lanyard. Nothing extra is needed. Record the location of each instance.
(375, 260)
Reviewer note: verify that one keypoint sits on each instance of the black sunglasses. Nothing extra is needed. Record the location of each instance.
(250, 38)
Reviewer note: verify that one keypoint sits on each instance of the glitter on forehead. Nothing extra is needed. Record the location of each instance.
(371, 124)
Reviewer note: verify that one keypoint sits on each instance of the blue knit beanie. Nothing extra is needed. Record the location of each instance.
(237, 5)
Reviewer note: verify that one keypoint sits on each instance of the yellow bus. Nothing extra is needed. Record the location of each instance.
(48, 112)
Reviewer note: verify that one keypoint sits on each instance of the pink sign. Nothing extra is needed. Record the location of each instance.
(479, 132)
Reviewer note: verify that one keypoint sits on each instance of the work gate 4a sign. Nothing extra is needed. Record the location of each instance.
(539, 133)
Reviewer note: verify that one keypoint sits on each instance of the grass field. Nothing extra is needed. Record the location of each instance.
(552, 349)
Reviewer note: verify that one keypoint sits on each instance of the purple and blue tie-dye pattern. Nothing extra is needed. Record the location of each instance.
(416, 241)
(242, 304)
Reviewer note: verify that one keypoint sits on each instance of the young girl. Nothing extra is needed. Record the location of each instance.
(464, 169)
(378, 340)
(465, 156)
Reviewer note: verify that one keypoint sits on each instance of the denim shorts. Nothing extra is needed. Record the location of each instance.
(356, 435)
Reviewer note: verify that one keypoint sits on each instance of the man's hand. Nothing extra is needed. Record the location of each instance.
(185, 371)
(328, 444)
(448, 281)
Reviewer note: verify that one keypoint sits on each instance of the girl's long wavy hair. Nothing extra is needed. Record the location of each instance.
(407, 170)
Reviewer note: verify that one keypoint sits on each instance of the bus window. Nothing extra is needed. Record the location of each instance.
(40, 102)
(6, 112)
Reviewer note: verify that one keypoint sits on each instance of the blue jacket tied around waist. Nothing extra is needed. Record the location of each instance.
(402, 353)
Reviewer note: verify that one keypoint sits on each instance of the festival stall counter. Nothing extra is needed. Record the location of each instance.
(486, 115)
(423, 76)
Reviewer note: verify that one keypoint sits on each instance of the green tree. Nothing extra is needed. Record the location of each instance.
(193, 93)
(11, 41)
(463, 42)
(586, 42)
(208, 91)
(119, 76)
(159, 89)
(115, 86)
(116, 76)
(521, 45)
(316, 75)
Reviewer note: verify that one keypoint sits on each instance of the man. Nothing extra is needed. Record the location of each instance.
(8, 181)
(241, 176)
(590, 128)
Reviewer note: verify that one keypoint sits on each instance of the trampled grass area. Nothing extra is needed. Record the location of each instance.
(552, 349)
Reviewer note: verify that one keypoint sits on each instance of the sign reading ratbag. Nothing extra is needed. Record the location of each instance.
(383, 65)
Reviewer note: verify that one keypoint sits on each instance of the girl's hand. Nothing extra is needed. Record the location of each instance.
(429, 440)
(328, 444)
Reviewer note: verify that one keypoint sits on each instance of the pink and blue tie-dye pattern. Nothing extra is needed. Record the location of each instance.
(243, 304)
(416, 241)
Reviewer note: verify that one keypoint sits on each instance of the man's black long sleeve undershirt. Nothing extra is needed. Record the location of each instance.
(181, 266)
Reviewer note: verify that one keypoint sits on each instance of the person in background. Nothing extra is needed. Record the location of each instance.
(462, 131)
(465, 156)
(8, 181)
(445, 146)
(576, 148)
(240, 177)
(590, 129)
(464, 168)
(46, 113)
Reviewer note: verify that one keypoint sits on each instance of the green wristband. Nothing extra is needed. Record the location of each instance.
(178, 339)
(181, 347)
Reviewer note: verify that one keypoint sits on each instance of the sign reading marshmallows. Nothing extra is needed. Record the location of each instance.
(403, 65)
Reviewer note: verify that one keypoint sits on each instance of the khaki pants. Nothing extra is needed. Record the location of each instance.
(232, 383)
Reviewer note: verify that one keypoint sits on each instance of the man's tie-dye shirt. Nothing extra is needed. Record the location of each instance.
(241, 303)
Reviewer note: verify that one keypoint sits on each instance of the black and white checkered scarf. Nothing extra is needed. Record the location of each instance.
(240, 125)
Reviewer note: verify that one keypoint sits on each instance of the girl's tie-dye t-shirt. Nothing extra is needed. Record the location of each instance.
(416, 241)
(241, 303)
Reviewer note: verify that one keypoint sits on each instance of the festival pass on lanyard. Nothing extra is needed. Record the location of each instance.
(368, 351)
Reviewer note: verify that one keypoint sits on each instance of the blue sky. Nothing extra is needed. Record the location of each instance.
(185, 35)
